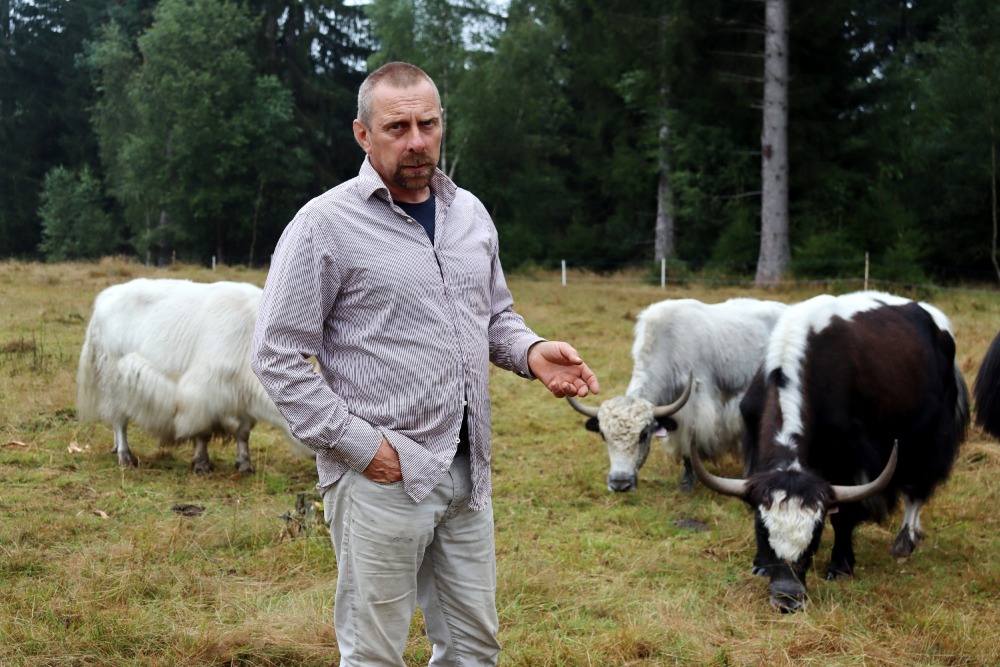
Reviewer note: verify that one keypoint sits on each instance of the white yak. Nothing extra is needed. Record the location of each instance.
(701, 357)
(173, 356)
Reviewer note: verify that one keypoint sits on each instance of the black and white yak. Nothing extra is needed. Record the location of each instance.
(691, 355)
(859, 400)
(986, 390)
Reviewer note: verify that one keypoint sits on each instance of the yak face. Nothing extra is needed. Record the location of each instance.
(790, 524)
(790, 508)
(627, 425)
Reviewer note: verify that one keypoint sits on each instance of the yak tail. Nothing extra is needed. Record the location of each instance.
(87, 393)
(961, 404)
(986, 390)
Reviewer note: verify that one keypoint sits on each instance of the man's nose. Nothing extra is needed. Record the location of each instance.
(415, 140)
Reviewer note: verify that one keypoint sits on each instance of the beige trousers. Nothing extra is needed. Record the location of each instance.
(393, 554)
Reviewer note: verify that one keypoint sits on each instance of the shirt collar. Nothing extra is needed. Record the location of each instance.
(370, 184)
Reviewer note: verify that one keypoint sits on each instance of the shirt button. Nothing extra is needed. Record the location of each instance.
(458, 440)
(464, 403)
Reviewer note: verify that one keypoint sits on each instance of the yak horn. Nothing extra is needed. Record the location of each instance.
(669, 409)
(853, 494)
(727, 486)
(581, 408)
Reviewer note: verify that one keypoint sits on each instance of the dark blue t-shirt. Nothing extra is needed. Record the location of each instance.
(422, 213)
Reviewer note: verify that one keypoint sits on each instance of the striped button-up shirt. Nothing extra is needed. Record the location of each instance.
(404, 331)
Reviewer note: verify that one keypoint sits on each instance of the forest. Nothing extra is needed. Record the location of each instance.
(606, 133)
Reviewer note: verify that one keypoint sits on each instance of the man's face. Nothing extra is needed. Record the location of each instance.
(404, 140)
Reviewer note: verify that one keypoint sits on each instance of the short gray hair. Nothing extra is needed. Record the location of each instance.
(398, 75)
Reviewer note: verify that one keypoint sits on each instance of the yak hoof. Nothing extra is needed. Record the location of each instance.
(245, 467)
(201, 467)
(787, 605)
(904, 544)
(839, 571)
(688, 480)
(126, 459)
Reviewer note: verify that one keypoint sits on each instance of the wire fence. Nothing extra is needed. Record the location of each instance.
(866, 275)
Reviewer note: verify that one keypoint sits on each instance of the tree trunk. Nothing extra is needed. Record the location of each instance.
(7, 95)
(443, 93)
(219, 235)
(161, 247)
(162, 226)
(775, 255)
(443, 158)
(256, 213)
(993, 183)
(663, 234)
(663, 244)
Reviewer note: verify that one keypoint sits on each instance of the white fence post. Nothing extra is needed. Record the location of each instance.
(213, 262)
(663, 273)
(564, 273)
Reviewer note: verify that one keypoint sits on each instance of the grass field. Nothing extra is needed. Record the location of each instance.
(102, 566)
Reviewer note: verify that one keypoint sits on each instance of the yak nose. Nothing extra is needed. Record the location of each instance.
(787, 595)
(621, 482)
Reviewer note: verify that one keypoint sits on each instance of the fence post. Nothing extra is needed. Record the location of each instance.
(564, 273)
(866, 269)
(663, 273)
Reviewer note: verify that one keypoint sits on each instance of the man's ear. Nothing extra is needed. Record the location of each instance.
(361, 135)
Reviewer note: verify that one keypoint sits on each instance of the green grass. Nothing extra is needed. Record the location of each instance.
(96, 568)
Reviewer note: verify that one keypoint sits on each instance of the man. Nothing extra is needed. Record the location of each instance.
(392, 281)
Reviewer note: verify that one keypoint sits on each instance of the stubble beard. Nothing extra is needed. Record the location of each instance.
(415, 181)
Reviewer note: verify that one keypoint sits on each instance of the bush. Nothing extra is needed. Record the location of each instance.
(519, 246)
(828, 254)
(75, 220)
(902, 262)
(737, 248)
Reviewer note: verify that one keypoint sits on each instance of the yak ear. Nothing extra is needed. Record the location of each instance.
(593, 424)
(668, 423)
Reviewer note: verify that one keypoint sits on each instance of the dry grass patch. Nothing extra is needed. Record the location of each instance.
(100, 570)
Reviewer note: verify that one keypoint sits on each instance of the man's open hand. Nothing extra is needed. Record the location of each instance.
(559, 367)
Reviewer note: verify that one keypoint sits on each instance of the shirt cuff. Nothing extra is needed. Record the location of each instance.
(359, 444)
(519, 356)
